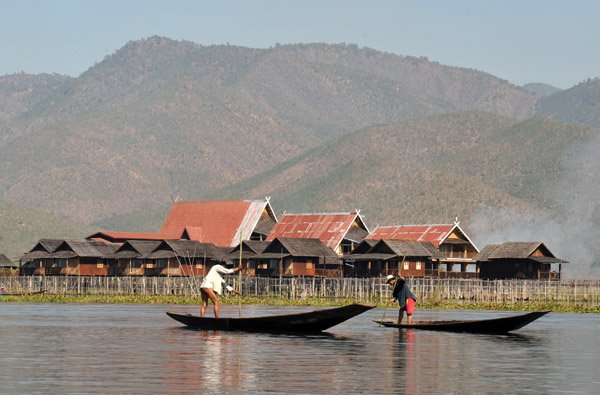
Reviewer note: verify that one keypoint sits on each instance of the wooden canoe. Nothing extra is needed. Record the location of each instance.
(310, 322)
(494, 325)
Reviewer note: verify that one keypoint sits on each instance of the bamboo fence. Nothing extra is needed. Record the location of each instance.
(367, 290)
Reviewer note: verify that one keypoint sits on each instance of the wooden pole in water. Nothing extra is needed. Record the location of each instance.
(240, 278)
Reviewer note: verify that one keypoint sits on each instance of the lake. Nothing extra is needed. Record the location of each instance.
(105, 348)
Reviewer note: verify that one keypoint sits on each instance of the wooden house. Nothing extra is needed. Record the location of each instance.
(341, 232)
(530, 260)
(82, 258)
(220, 222)
(39, 259)
(287, 256)
(130, 258)
(251, 251)
(7, 267)
(375, 258)
(182, 258)
(449, 239)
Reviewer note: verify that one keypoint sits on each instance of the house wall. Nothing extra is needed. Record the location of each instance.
(512, 268)
(92, 267)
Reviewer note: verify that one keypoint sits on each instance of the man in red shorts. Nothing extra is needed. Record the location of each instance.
(402, 294)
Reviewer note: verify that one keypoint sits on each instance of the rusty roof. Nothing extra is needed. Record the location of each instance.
(330, 228)
(219, 222)
(120, 237)
(435, 234)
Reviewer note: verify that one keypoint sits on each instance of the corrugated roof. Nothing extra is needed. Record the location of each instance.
(218, 222)
(116, 237)
(330, 228)
(434, 234)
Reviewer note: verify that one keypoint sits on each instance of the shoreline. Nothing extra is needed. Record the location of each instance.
(314, 302)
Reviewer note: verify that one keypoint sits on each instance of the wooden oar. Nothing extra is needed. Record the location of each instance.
(386, 304)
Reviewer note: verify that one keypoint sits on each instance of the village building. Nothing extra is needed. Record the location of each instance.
(7, 267)
(131, 258)
(80, 258)
(183, 258)
(341, 232)
(375, 258)
(250, 254)
(449, 239)
(220, 222)
(39, 257)
(287, 256)
(525, 260)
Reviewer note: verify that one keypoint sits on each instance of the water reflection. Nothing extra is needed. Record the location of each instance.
(138, 349)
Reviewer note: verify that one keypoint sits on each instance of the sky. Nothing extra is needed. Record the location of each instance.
(522, 41)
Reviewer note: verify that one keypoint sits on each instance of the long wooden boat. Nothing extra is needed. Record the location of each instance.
(310, 322)
(494, 325)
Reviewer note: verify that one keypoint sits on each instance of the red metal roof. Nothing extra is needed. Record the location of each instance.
(124, 236)
(435, 234)
(329, 228)
(219, 222)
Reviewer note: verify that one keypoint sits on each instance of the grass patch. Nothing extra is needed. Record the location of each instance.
(277, 300)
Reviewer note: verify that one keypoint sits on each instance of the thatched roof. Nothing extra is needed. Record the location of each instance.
(6, 262)
(518, 250)
(84, 248)
(356, 234)
(136, 248)
(265, 225)
(185, 249)
(299, 247)
(42, 249)
(388, 249)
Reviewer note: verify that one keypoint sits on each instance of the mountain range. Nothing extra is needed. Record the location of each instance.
(317, 127)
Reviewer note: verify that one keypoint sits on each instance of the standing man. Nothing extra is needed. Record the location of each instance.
(212, 285)
(402, 294)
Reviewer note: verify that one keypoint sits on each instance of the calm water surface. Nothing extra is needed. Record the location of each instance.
(90, 348)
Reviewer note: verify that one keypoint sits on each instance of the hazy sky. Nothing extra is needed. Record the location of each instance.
(555, 42)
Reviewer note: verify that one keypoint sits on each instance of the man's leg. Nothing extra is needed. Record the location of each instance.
(400, 315)
(409, 318)
(212, 296)
(204, 302)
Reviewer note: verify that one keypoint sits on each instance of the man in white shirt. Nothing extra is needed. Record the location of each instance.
(212, 285)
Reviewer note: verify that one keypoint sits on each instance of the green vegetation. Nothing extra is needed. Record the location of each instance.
(316, 302)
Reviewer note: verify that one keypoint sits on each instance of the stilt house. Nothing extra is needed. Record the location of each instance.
(131, 258)
(288, 256)
(341, 232)
(458, 250)
(182, 258)
(220, 222)
(531, 260)
(251, 251)
(374, 258)
(82, 258)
